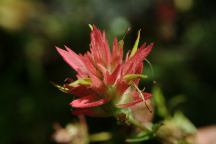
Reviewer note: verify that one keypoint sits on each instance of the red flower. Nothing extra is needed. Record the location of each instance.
(105, 81)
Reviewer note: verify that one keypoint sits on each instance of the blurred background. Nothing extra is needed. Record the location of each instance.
(183, 57)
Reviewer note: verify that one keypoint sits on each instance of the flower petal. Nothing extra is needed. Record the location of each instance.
(90, 64)
(145, 94)
(132, 63)
(137, 99)
(114, 76)
(117, 54)
(73, 60)
(87, 102)
(99, 47)
(79, 90)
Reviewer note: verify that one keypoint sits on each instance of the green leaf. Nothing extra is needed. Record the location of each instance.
(160, 103)
(135, 47)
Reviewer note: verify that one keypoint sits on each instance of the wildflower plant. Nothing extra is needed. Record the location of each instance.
(107, 83)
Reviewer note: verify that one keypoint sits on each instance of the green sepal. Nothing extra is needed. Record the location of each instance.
(121, 43)
(61, 88)
(130, 77)
(135, 47)
(90, 26)
(84, 81)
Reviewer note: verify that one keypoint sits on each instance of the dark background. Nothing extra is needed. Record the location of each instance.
(183, 57)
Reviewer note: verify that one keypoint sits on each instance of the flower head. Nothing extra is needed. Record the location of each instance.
(105, 81)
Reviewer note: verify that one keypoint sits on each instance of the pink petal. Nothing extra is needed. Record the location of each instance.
(97, 84)
(90, 64)
(87, 102)
(121, 86)
(117, 54)
(99, 47)
(114, 76)
(80, 90)
(131, 64)
(146, 95)
(137, 99)
(126, 105)
(73, 60)
(101, 68)
(138, 70)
